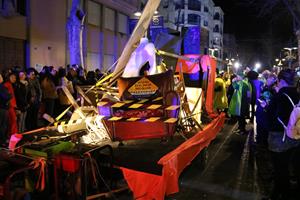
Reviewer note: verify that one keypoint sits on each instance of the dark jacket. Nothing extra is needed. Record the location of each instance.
(22, 96)
(261, 113)
(280, 106)
(35, 91)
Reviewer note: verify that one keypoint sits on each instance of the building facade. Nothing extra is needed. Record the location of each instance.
(33, 33)
(203, 13)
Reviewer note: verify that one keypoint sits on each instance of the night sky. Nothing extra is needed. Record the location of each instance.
(260, 35)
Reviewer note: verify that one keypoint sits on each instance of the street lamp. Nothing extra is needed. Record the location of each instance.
(237, 65)
(257, 66)
(289, 55)
(229, 63)
(278, 64)
(138, 13)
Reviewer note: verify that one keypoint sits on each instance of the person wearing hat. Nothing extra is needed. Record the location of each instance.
(282, 147)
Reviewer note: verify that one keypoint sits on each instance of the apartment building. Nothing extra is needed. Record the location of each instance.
(179, 14)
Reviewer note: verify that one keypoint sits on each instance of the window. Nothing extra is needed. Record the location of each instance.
(205, 23)
(179, 4)
(109, 19)
(194, 19)
(21, 7)
(9, 8)
(93, 61)
(94, 10)
(108, 61)
(216, 29)
(122, 23)
(194, 5)
(217, 16)
(206, 9)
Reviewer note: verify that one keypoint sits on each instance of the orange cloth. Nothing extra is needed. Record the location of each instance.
(147, 186)
(209, 100)
(187, 66)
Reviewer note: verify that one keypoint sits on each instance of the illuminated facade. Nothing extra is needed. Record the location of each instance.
(185, 13)
(34, 33)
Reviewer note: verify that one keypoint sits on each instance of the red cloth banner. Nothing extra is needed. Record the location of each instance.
(188, 66)
(146, 186)
(211, 86)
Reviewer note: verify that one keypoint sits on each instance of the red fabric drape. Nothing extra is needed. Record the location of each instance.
(187, 66)
(147, 186)
(210, 87)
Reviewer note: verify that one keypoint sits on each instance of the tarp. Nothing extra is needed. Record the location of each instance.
(188, 67)
(146, 186)
(137, 34)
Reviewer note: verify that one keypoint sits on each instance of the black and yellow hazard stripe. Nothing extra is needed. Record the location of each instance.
(138, 105)
(150, 119)
(71, 122)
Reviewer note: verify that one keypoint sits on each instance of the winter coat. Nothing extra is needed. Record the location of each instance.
(22, 95)
(48, 88)
(240, 100)
(220, 98)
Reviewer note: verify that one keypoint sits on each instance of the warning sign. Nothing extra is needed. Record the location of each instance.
(143, 88)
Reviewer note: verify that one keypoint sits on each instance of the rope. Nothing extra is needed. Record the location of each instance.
(39, 163)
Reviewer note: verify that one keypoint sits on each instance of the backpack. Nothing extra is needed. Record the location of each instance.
(292, 130)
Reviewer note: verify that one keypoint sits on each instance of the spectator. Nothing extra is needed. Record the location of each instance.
(22, 98)
(267, 94)
(49, 91)
(63, 82)
(239, 104)
(91, 78)
(220, 98)
(256, 86)
(12, 117)
(282, 150)
(4, 106)
(98, 74)
(35, 98)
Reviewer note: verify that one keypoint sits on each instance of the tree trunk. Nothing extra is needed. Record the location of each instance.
(74, 28)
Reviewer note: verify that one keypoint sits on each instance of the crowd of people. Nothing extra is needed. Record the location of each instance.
(266, 100)
(24, 95)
